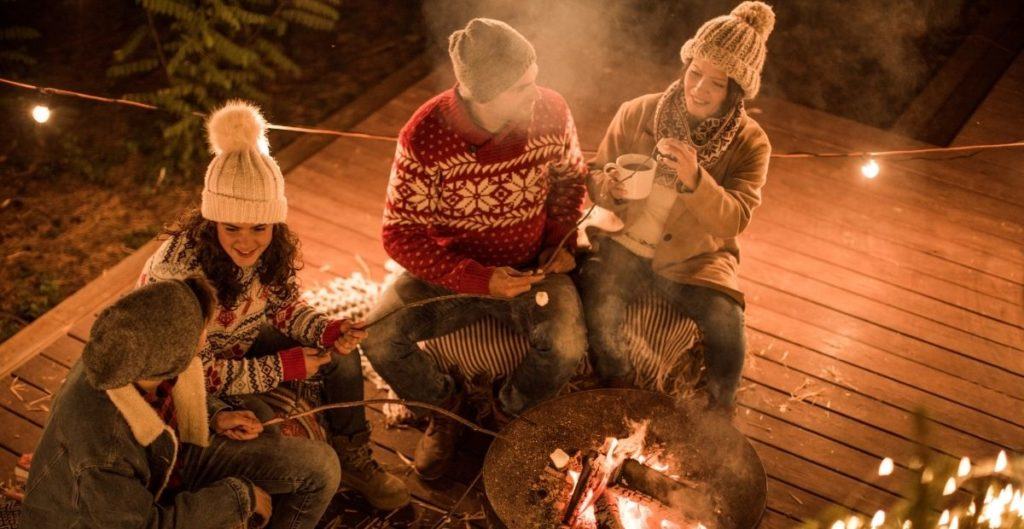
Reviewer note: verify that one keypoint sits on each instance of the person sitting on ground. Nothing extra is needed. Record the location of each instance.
(263, 333)
(680, 241)
(487, 180)
(127, 444)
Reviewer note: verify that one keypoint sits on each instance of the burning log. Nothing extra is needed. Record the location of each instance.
(606, 512)
(686, 499)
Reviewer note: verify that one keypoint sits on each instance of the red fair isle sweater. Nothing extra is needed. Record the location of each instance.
(462, 201)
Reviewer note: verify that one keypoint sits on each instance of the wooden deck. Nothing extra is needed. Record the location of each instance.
(868, 299)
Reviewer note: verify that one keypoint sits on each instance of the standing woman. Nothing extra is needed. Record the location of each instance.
(263, 333)
(681, 240)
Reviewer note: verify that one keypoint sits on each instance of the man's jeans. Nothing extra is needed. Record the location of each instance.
(615, 277)
(556, 334)
(342, 380)
(300, 474)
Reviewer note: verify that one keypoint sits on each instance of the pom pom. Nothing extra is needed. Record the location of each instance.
(758, 14)
(237, 127)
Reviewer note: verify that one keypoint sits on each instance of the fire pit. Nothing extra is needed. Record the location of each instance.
(629, 459)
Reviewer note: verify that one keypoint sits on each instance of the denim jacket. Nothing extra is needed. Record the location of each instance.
(105, 458)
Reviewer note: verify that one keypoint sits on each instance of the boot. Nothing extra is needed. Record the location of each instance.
(436, 447)
(361, 472)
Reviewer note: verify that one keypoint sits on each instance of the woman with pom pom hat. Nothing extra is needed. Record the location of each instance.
(263, 333)
(712, 161)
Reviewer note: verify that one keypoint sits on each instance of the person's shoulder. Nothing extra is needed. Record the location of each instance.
(427, 115)
(752, 134)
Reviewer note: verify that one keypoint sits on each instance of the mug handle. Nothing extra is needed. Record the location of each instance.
(609, 167)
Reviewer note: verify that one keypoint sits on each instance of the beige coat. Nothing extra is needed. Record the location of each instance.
(698, 245)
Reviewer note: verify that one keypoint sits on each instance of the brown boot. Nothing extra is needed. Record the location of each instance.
(361, 472)
(436, 447)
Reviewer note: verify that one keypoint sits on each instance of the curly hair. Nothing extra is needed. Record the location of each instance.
(276, 267)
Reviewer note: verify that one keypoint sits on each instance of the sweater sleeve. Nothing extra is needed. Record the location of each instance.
(568, 185)
(408, 216)
(244, 376)
(725, 209)
(112, 497)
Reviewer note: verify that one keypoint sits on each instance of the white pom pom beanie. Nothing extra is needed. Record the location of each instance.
(243, 183)
(735, 43)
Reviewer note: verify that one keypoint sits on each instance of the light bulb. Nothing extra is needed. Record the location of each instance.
(886, 467)
(869, 169)
(41, 113)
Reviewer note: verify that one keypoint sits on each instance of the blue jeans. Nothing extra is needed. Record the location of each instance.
(342, 381)
(301, 475)
(615, 277)
(557, 337)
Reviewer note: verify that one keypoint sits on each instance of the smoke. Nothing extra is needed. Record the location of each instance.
(861, 59)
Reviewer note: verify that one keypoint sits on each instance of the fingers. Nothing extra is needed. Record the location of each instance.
(239, 425)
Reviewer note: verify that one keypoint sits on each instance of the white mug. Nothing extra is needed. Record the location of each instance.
(636, 183)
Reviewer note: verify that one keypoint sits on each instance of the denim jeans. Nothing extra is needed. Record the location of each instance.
(342, 381)
(615, 277)
(301, 475)
(556, 335)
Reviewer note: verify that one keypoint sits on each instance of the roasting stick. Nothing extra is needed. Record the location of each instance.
(410, 403)
(448, 515)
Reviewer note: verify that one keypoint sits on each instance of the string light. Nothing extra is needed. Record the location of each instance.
(41, 113)
(965, 467)
(870, 169)
(878, 519)
(950, 487)
(1001, 461)
(886, 467)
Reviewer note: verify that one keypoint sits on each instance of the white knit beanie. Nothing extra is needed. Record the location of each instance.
(488, 57)
(243, 184)
(735, 43)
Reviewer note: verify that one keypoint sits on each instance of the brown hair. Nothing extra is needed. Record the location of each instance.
(276, 267)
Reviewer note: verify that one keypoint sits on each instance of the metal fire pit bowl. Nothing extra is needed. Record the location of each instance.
(705, 448)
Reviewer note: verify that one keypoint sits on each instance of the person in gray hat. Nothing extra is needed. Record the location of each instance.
(128, 442)
(488, 179)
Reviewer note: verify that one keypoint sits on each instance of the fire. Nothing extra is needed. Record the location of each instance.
(633, 514)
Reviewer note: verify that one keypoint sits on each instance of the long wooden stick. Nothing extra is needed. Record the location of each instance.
(410, 403)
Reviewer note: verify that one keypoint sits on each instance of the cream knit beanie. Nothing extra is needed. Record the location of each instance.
(735, 43)
(243, 184)
(489, 56)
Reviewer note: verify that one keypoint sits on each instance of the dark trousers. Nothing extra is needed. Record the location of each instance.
(614, 277)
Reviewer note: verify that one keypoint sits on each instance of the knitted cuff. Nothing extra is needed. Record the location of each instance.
(331, 333)
(475, 279)
(293, 363)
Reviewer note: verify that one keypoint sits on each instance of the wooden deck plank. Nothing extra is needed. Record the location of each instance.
(961, 175)
(871, 310)
(868, 332)
(837, 350)
(898, 276)
(873, 247)
(894, 296)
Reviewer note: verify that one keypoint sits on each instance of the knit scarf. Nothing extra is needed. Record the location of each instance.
(711, 137)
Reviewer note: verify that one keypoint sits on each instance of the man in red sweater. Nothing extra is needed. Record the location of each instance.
(487, 179)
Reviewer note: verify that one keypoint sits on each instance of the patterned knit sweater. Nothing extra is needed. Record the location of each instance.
(462, 201)
(233, 330)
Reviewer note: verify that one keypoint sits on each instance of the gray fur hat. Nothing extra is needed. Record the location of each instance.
(150, 333)
(489, 56)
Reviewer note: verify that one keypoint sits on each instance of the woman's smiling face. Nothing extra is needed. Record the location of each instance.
(705, 88)
(244, 243)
